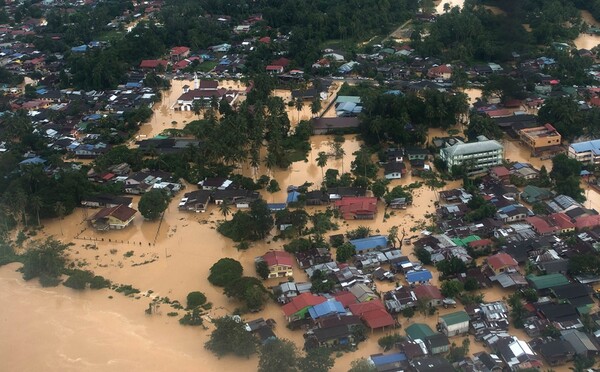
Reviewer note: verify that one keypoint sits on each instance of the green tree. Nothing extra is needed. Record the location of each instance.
(388, 342)
(315, 106)
(344, 252)
(451, 266)
(408, 312)
(379, 187)
(279, 355)
(262, 269)
(78, 279)
(249, 290)
(153, 203)
(273, 186)
(231, 337)
(423, 255)
(451, 288)
(362, 365)
(45, 260)
(225, 271)
(566, 175)
(195, 299)
(316, 360)
(60, 210)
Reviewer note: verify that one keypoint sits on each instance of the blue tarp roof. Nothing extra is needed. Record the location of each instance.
(79, 49)
(418, 276)
(292, 197)
(387, 359)
(35, 160)
(369, 243)
(133, 85)
(326, 308)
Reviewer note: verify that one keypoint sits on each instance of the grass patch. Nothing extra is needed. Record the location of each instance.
(207, 66)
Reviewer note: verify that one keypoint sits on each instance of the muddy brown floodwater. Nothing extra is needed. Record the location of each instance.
(587, 41)
(59, 329)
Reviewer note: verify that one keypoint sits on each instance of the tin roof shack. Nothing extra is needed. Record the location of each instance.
(434, 363)
(517, 354)
(453, 324)
(564, 316)
(285, 291)
(488, 317)
(399, 299)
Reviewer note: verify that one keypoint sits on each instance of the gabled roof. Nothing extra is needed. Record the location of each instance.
(501, 260)
(418, 276)
(281, 258)
(370, 242)
(547, 281)
(301, 302)
(455, 318)
(419, 331)
(428, 291)
(328, 307)
(120, 212)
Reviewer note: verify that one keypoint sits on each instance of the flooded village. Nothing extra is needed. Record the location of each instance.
(385, 212)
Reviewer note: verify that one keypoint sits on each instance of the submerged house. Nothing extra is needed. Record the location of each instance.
(113, 218)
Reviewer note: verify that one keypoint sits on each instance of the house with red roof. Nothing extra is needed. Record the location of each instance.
(179, 52)
(279, 263)
(113, 218)
(373, 314)
(440, 72)
(273, 69)
(430, 294)
(500, 173)
(357, 207)
(346, 298)
(480, 244)
(265, 40)
(283, 62)
(298, 307)
(552, 224)
(153, 64)
(587, 222)
(502, 262)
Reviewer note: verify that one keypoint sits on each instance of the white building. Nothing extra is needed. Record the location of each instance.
(477, 156)
(587, 152)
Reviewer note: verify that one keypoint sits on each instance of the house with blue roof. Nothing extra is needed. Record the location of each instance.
(587, 152)
(418, 276)
(329, 307)
(512, 213)
(370, 244)
(390, 362)
(79, 49)
(32, 161)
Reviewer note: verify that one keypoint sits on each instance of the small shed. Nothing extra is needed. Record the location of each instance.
(454, 323)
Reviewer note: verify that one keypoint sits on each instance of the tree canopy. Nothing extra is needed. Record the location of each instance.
(225, 271)
(231, 337)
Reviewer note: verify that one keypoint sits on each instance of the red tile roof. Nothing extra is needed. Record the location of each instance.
(120, 212)
(373, 314)
(280, 258)
(301, 302)
(428, 291)
(540, 225)
(480, 243)
(500, 171)
(562, 220)
(153, 63)
(586, 222)
(346, 298)
(356, 205)
(179, 50)
(501, 260)
(283, 62)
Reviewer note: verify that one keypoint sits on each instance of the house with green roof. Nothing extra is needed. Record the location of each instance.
(464, 242)
(543, 282)
(419, 331)
(455, 323)
(533, 194)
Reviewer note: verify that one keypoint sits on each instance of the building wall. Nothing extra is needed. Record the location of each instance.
(478, 162)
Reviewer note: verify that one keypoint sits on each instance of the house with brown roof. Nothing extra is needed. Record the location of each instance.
(153, 64)
(373, 314)
(114, 218)
(502, 262)
(278, 262)
(180, 52)
(357, 207)
(429, 293)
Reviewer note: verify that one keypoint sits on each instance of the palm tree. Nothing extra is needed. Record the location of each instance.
(60, 210)
(37, 203)
(225, 209)
(322, 162)
(299, 106)
(315, 106)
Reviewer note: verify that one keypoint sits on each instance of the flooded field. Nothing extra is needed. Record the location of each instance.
(587, 41)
